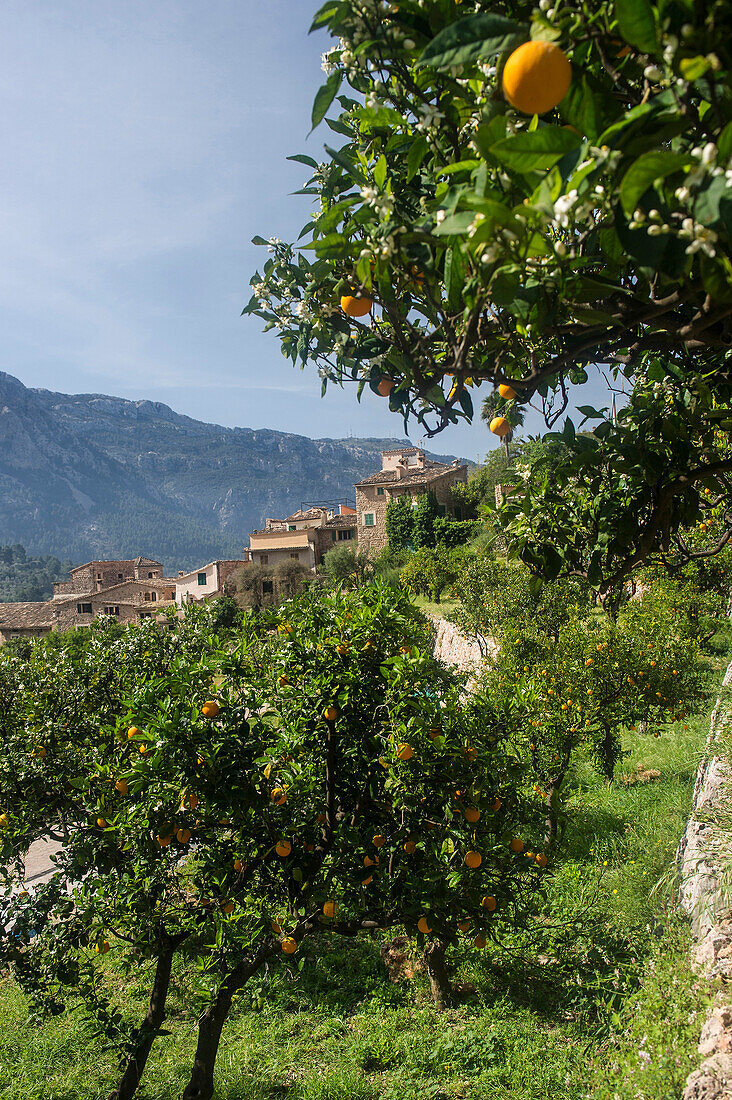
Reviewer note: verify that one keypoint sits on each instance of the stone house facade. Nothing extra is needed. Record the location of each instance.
(206, 582)
(94, 576)
(404, 471)
(305, 536)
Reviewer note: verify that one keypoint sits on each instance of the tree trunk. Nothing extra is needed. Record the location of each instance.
(201, 1083)
(440, 985)
(147, 1032)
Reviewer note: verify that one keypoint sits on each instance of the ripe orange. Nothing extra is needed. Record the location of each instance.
(496, 805)
(341, 650)
(330, 714)
(183, 836)
(144, 748)
(536, 77)
(500, 426)
(423, 925)
(355, 306)
(4, 821)
(132, 732)
(541, 860)
(276, 927)
(289, 946)
(405, 751)
(379, 841)
(385, 386)
(283, 681)
(508, 393)
(463, 925)
(102, 948)
(279, 796)
(369, 862)
(227, 907)
(480, 941)
(366, 881)
(517, 845)
(164, 841)
(189, 801)
(101, 823)
(40, 752)
(472, 814)
(238, 866)
(283, 848)
(210, 708)
(489, 903)
(330, 909)
(435, 733)
(121, 786)
(410, 847)
(473, 859)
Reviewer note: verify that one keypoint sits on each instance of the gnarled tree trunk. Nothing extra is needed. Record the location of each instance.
(440, 984)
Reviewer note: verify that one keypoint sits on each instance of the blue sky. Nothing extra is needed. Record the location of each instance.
(144, 146)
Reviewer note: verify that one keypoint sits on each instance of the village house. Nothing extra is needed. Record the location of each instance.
(404, 471)
(305, 536)
(129, 590)
(207, 582)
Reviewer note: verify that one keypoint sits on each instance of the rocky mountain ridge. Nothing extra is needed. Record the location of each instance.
(90, 475)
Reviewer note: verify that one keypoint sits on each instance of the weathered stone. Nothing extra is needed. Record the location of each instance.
(455, 648)
(712, 1081)
(716, 1036)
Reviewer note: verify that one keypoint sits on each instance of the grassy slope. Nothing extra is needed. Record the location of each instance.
(607, 1010)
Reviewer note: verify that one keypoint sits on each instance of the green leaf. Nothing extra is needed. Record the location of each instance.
(637, 24)
(642, 173)
(417, 152)
(324, 15)
(301, 158)
(259, 240)
(472, 38)
(454, 277)
(530, 152)
(724, 145)
(380, 172)
(325, 96)
(455, 223)
(692, 68)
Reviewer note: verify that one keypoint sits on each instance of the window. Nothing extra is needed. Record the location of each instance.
(99, 576)
(111, 610)
(344, 536)
(368, 519)
(153, 596)
(150, 576)
(295, 556)
(201, 578)
(380, 491)
(83, 609)
(264, 559)
(292, 527)
(146, 614)
(333, 535)
(119, 577)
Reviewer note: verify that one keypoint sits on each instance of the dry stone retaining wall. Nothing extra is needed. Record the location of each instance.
(453, 647)
(701, 895)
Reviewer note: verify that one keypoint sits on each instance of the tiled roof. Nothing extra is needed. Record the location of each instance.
(421, 475)
(281, 546)
(299, 515)
(404, 451)
(26, 615)
(131, 563)
(343, 521)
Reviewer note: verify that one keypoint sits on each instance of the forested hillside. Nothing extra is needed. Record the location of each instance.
(24, 577)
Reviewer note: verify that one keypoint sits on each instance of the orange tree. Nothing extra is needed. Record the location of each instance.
(521, 191)
(322, 776)
(583, 689)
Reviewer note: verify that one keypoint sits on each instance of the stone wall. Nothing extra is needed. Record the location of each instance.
(702, 854)
(455, 648)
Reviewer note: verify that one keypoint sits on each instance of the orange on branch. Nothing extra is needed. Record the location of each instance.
(508, 393)
(354, 306)
(210, 708)
(385, 386)
(410, 847)
(472, 814)
(473, 859)
(330, 714)
(238, 866)
(289, 946)
(536, 77)
(183, 836)
(330, 909)
(489, 903)
(463, 925)
(121, 786)
(500, 426)
(480, 941)
(132, 732)
(423, 925)
(405, 751)
(379, 840)
(517, 845)
(283, 848)
(279, 796)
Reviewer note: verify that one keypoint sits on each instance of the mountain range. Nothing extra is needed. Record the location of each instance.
(87, 476)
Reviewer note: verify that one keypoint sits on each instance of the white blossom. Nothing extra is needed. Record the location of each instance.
(429, 116)
(562, 207)
(369, 195)
(440, 216)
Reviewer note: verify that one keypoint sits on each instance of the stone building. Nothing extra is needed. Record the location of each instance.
(404, 471)
(305, 536)
(128, 590)
(206, 582)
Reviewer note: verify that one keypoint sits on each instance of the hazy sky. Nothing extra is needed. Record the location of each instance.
(144, 145)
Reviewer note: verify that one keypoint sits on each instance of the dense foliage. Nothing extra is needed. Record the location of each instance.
(28, 577)
(520, 236)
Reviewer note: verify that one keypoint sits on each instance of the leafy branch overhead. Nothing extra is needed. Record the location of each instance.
(515, 193)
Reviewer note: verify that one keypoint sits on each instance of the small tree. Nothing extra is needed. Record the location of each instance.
(400, 523)
(425, 512)
(326, 778)
(344, 565)
(430, 572)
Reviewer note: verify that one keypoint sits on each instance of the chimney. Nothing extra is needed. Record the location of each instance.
(419, 459)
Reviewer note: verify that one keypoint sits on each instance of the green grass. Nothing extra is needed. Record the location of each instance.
(444, 608)
(597, 1001)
